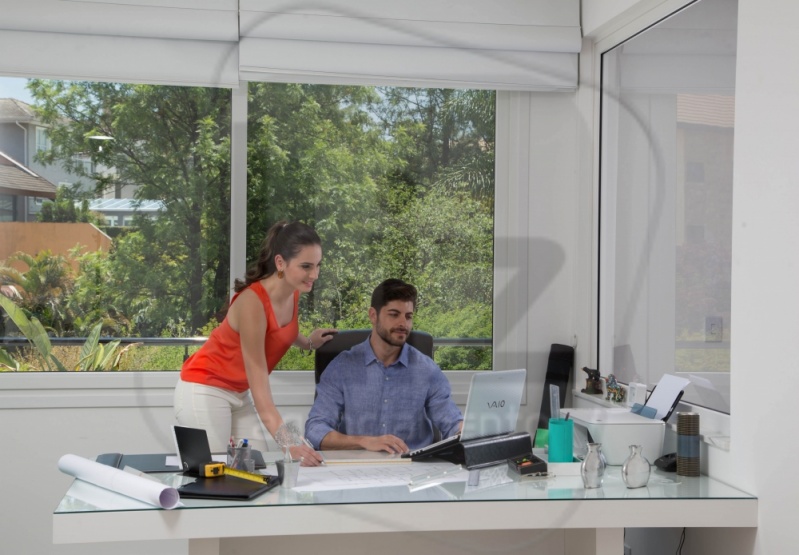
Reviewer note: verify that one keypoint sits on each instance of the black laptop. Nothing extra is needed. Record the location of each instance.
(194, 452)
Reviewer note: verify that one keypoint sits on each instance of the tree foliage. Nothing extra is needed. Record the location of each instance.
(398, 182)
(64, 209)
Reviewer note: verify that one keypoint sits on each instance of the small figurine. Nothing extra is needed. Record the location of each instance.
(593, 385)
(615, 391)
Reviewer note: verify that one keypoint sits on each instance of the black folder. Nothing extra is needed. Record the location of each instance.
(156, 462)
(226, 487)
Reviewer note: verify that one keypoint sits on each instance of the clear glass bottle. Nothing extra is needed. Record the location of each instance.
(635, 470)
(592, 468)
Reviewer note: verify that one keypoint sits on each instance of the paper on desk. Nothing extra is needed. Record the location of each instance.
(666, 392)
(119, 481)
(337, 477)
(363, 457)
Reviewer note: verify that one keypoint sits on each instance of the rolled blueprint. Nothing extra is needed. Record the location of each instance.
(119, 481)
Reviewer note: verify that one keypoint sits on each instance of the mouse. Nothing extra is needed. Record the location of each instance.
(667, 463)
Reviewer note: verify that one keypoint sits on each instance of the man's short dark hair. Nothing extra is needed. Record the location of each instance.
(393, 290)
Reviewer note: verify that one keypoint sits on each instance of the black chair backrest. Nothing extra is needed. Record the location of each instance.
(346, 339)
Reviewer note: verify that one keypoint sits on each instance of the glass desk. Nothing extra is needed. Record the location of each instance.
(500, 501)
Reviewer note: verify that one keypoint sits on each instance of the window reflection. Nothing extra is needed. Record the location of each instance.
(668, 129)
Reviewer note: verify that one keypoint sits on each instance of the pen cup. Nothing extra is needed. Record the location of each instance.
(561, 437)
(288, 472)
(239, 457)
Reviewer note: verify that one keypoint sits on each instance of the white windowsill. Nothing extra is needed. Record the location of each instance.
(41, 390)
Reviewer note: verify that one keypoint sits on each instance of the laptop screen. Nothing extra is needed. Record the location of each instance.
(492, 407)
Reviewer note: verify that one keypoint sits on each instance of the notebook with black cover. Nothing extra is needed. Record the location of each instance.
(193, 449)
(226, 487)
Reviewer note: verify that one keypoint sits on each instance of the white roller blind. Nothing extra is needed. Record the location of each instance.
(180, 42)
(500, 44)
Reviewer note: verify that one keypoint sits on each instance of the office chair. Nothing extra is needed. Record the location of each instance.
(346, 339)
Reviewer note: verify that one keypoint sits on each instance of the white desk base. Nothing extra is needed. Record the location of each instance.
(512, 514)
(608, 518)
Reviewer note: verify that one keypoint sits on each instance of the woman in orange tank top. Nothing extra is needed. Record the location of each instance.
(224, 387)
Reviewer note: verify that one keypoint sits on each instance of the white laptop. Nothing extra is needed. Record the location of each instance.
(492, 409)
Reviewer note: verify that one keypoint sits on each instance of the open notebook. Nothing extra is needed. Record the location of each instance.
(492, 409)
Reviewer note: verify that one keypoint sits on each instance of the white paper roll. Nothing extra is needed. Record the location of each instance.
(119, 481)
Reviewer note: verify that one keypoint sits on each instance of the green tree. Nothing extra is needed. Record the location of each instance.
(173, 144)
(443, 136)
(63, 208)
(398, 183)
(314, 153)
(42, 289)
(96, 296)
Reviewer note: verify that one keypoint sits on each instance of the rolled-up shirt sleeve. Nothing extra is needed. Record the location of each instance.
(443, 411)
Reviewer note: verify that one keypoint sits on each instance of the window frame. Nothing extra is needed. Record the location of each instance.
(293, 388)
(603, 232)
(42, 139)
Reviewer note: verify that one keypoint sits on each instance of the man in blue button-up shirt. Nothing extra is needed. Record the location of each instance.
(383, 395)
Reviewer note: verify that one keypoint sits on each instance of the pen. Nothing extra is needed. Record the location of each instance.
(308, 443)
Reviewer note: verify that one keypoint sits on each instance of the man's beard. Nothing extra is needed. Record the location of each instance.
(385, 335)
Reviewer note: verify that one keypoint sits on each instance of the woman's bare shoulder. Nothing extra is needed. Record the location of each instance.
(246, 308)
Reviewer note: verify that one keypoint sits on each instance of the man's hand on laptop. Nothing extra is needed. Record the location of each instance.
(388, 443)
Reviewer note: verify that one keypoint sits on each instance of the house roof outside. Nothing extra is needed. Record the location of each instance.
(16, 179)
(12, 110)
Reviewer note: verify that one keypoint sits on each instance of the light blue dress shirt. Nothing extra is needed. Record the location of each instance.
(357, 395)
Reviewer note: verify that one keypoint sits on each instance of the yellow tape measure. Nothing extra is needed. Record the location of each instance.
(212, 470)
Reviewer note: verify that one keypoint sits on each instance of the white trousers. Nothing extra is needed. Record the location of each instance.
(221, 413)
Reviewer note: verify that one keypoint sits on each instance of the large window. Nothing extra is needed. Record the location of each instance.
(399, 183)
(666, 197)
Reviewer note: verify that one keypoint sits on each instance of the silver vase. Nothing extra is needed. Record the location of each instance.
(592, 468)
(635, 470)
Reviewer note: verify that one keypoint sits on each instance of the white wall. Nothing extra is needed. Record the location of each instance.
(765, 267)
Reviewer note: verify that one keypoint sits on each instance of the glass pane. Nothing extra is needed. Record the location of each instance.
(137, 246)
(668, 128)
(399, 183)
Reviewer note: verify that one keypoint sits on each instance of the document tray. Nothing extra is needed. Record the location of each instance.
(486, 451)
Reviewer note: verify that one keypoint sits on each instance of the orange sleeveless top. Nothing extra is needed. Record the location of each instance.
(219, 362)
